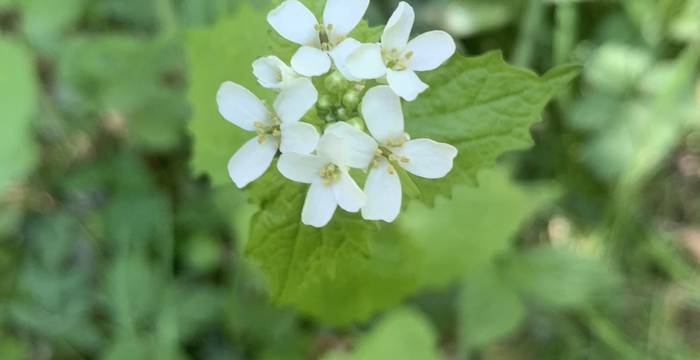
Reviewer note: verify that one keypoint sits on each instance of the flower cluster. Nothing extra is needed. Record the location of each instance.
(359, 122)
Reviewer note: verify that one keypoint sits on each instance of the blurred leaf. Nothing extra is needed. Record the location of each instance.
(401, 334)
(45, 21)
(488, 309)
(558, 277)
(460, 235)
(18, 99)
(484, 107)
(471, 17)
(616, 68)
(126, 82)
(54, 298)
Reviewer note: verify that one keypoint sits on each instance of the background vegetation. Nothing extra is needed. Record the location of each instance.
(114, 243)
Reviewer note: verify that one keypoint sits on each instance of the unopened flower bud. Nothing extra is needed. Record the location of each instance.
(325, 102)
(335, 83)
(357, 123)
(351, 99)
(343, 113)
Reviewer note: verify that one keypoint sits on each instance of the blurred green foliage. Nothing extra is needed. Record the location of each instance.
(122, 238)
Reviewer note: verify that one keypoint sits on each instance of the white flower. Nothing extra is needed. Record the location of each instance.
(327, 172)
(397, 58)
(278, 129)
(273, 73)
(294, 22)
(381, 109)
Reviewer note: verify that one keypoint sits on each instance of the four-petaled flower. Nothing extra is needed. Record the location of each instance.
(397, 58)
(327, 172)
(381, 109)
(278, 129)
(319, 41)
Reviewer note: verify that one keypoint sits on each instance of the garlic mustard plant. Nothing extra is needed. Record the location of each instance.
(353, 124)
(398, 59)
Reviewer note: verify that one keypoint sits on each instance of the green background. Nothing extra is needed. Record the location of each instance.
(569, 228)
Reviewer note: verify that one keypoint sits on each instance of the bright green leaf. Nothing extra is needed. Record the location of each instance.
(18, 99)
(402, 334)
(484, 107)
(292, 253)
(217, 54)
(458, 236)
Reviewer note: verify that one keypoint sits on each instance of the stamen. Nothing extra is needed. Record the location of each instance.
(329, 174)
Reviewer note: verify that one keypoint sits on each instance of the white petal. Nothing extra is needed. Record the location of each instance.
(294, 22)
(300, 168)
(251, 160)
(361, 147)
(348, 195)
(366, 62)
(398, 28)
(406, 84)
(381, 109)
(430, 50)
(311, 61)
(344, 15)
(295, 100)
(340, 54)
(333, 148)
(427, 158)
(319, 205)
(240, 106)
(298, 137)
(383, 190)
(272, 73)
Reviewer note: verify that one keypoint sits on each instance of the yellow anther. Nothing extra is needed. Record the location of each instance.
(258, 125)
(276, 132)
(391, 170)
(404, 159)
(261, 139)
(408, 55)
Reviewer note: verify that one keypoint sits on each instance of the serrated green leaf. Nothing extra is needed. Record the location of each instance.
(18, 99)
(402, 334)
(484, 107)
(293, 254)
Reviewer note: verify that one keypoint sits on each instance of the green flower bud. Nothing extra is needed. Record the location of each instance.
(351, 99)
(330, 118)
(325, 102)
(357, 122)
(343, 113)
(335, 82)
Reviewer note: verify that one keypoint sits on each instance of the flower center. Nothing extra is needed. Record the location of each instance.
(396, 60)
(385, 152)
(330, 173)
(263, 130)
(324, 36)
